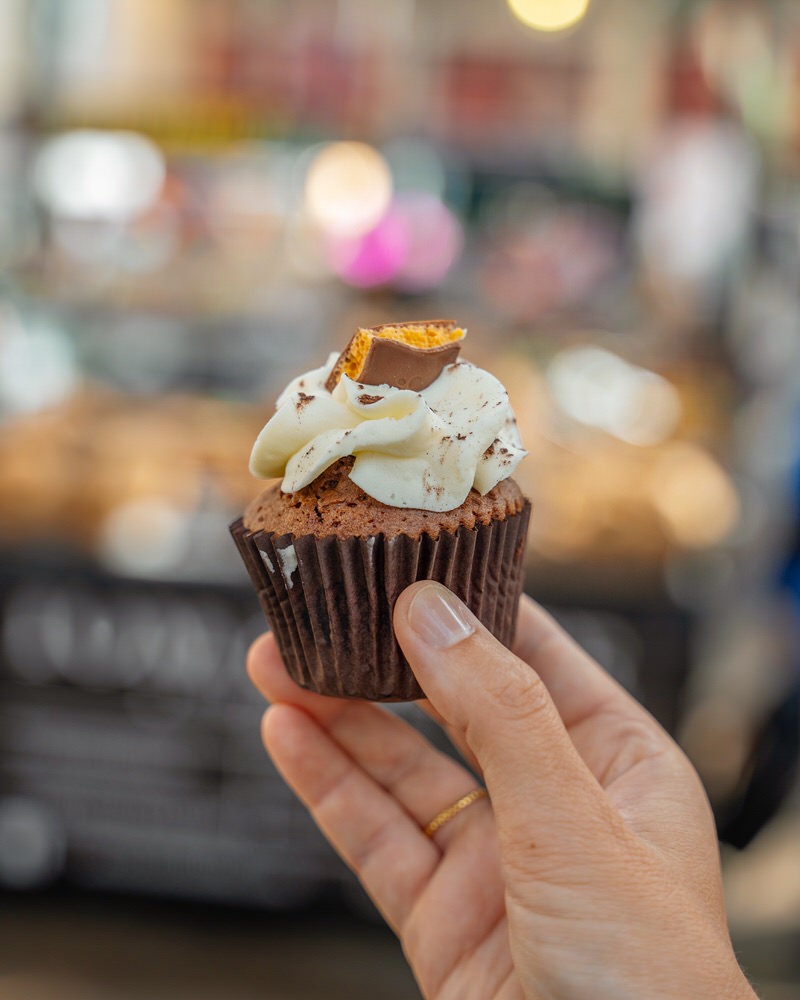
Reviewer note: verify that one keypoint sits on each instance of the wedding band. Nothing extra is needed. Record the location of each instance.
(447, 814)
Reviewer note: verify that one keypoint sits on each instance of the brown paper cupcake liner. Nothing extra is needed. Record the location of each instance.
(329, 600)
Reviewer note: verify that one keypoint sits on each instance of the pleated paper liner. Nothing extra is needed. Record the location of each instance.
(329, 600)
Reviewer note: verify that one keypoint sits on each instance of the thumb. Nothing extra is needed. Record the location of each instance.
(542, 793)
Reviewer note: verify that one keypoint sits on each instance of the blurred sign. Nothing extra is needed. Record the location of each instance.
(129, 746)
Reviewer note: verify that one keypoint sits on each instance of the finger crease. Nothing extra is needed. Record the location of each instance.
(332, 790)
(368, 849)
(403, 768)
(469, 949)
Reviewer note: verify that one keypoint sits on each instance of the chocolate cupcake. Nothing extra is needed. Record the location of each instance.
(395, 460)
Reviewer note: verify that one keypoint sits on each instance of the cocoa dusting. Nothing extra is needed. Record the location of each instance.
(303, 400)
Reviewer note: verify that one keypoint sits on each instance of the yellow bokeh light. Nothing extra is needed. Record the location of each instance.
(348, 188)
(548, 15)
(695, 497)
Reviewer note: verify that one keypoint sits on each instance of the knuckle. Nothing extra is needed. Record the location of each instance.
(636, 741)
(518, 693)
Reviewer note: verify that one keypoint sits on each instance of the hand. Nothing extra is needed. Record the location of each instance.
(593, 873)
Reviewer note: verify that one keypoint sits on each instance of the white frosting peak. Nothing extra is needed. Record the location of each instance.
(412, 449)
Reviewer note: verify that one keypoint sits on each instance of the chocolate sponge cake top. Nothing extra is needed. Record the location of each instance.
(333, 505)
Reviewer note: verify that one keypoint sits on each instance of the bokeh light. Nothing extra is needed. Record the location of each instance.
(373, 258)
(412, 247)
(596, 387)
(38, 367)
(549, 15)
(435, 241)
(93, 175)
(143, 536)
(695, 497)
(348, 188)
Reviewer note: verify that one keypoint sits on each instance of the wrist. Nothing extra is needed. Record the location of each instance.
(745, 990)
(737, 985)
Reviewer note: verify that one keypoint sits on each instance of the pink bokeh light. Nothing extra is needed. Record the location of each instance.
(412, 247)
(436, 241)
(374, 258)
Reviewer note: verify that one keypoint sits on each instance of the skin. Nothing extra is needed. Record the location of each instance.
(592, 872)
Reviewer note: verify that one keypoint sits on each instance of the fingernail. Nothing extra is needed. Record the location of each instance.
(439, 618)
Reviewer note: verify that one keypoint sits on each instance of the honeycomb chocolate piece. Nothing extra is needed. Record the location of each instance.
(405, 355)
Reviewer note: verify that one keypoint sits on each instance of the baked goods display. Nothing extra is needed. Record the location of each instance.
(624, 507)
(66, 470)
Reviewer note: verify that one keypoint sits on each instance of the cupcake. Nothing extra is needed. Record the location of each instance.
(394, 461)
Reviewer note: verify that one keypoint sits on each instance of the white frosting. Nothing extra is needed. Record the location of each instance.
(288, 559)
(412, 449)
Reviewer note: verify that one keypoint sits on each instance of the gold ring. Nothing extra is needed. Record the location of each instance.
(447, 814)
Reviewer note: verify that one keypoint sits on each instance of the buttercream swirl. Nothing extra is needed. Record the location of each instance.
(412, 449)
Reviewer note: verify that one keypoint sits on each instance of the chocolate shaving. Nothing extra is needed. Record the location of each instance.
(366, 400)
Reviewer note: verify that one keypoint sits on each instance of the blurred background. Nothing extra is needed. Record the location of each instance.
(200, 199)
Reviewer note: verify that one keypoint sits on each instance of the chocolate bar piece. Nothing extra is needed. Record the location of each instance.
(391, 363)
(386, 360)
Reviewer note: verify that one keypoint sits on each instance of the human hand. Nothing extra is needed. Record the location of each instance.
(593, 873)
